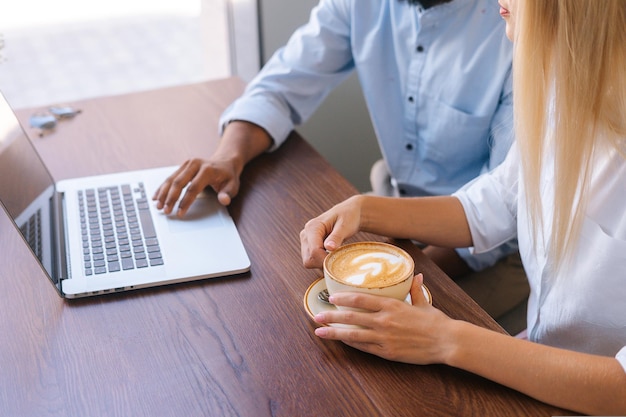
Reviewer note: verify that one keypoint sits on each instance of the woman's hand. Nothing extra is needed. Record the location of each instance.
(328, 231)
(438, 221)
(391, 329)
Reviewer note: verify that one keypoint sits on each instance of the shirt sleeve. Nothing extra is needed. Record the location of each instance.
(490, 204)
(299, 76)
(621, 357)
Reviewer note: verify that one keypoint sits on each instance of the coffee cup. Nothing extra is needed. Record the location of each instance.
(369, 267)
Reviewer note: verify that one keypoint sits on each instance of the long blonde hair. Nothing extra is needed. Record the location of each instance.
(569, 93)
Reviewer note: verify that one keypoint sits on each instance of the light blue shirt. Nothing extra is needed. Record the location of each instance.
(437, 83)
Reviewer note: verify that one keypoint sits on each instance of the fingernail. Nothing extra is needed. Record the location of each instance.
(321, 331)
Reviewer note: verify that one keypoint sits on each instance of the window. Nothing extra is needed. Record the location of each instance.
(54, 52)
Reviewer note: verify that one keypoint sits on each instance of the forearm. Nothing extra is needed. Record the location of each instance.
(437, 221)
(241, 142)
(576, 381)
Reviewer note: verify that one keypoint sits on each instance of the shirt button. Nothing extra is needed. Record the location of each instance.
(410, 99)
(409, 146)
(419, 48)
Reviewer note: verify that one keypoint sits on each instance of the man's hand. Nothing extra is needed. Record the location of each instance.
(241, 142)
(197, 174)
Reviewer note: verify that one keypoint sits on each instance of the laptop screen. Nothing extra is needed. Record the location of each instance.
(23, 176)
(26, 186)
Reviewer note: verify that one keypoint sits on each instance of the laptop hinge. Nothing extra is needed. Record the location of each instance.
(59, 265)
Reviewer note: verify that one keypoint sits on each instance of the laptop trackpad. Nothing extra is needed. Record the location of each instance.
(205, 212)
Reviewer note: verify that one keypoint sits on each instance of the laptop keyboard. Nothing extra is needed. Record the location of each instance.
(117, 229)
(31, 230)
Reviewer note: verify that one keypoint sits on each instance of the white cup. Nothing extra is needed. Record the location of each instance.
(369, 267)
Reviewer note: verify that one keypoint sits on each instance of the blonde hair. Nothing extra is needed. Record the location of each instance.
(569, 94)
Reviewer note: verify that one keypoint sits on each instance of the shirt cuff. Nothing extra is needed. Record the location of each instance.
(262, 114)
(621, 357)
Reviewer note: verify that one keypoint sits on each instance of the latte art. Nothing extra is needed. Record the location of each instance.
(370, 267)
(374, 268)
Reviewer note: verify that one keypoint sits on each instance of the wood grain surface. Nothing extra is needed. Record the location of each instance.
(235, 346)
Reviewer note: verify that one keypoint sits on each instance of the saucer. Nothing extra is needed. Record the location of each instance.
(313, 305)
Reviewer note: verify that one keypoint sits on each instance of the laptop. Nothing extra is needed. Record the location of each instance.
(103, 234)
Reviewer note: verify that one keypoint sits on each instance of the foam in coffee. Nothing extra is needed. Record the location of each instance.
(369, 266)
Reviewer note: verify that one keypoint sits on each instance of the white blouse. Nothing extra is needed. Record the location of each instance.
(584, 307)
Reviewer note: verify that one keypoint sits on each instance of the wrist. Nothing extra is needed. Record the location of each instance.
(229, 156)
(455, 335)
(241, 142)
(359, 204)
(377, 214)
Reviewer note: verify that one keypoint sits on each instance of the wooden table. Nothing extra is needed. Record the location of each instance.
(238, 346)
